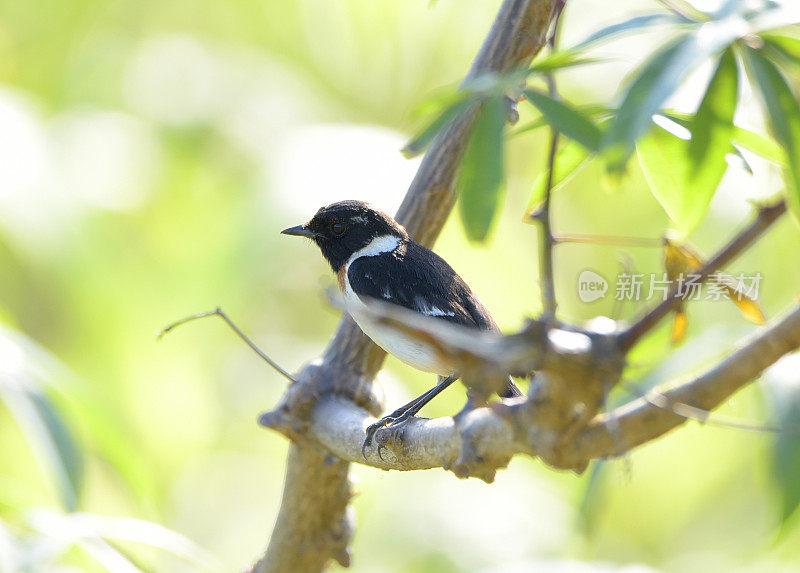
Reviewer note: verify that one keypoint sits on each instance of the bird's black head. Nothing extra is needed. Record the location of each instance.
(341, 229)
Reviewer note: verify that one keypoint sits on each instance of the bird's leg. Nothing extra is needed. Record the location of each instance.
(406, 411)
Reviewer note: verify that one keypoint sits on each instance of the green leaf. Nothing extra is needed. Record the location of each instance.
(783, 399)
(594, 497)
(530, 126)
(566, 119)
(570, 159)
(481, 174)
(665, 163)
(788, 45)
(420, 142)
(750, 140)
(593, 111)
(78, 527)
(48, 434)
(657, 80)
(783, 112)
(783, 50)
(786, 464)
(560, 60)
(712, 127)
(635, 24)
(735, 156)
(759, 145)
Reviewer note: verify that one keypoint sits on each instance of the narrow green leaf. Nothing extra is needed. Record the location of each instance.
(759, 145)
(737, 158)
(783, 400)
(591, 505)
(712, 126)
(789, 45)
(48, 434)
(566, 119)
(645, 95)
(786, 466)
(784, 51)
(783, 111)
(635, 24)
(729, 8)
(481, 174)
(420, 142)
(560, 60)
(594, 112)
(657, 80)
(540, 121)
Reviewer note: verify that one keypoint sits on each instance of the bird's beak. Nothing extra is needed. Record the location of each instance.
(299, 231)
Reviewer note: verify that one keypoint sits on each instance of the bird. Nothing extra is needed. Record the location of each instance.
(373, 256)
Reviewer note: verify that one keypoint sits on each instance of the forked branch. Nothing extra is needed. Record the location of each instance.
(314, 525)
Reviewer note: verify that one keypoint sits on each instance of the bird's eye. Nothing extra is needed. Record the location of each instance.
(337, 229)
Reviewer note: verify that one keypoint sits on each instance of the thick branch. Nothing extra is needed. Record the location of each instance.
(640, 421)
(493, 436)
(339, 425)
(517, 34)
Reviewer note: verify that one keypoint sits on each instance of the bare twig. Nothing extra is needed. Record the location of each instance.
(220, 313)
(705, 417)
(608, 240)
(766, 216)
(549, 302)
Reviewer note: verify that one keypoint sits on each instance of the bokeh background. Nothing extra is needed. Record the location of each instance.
(150, 153)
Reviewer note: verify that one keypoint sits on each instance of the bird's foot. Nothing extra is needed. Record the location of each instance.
(392, 423)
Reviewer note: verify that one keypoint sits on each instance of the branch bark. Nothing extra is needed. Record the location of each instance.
(494, 434)
(313, 525)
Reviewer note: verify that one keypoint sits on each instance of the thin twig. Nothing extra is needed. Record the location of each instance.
(706, 417)
(766, 216)
(608, 240)
(549, 302)
(219, 312)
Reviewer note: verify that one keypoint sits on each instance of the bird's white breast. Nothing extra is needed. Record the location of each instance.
(413, 352)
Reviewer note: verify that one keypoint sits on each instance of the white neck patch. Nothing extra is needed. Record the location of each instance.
(377, 246)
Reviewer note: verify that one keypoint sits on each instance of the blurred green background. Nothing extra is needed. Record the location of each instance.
(150, 153)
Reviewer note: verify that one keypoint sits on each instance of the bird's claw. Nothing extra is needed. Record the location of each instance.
(391, 422)
(371, 429)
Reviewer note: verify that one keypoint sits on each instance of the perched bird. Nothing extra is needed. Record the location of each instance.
(373, 256)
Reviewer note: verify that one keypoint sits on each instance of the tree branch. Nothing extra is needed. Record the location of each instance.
(492, 435)
(351, 360)
(767, 215)
(641, 421)
(549, 302)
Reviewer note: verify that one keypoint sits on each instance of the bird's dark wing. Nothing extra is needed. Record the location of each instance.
(418, 279)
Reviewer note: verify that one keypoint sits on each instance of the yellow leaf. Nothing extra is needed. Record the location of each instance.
(679, 323)
(681, 259)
